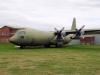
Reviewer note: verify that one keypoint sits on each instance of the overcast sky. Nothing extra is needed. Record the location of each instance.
(47, 14)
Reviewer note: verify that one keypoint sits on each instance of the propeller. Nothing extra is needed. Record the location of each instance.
(59, 34)
(79, 31)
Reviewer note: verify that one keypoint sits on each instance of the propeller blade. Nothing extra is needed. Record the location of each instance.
(62, 29)
(56, 29)
(78, 31)
(58, 34)
(82, 27)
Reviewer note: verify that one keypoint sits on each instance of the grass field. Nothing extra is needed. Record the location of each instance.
(71, 60)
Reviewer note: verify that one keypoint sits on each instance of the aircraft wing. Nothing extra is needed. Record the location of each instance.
(85, 32)
(92, 31)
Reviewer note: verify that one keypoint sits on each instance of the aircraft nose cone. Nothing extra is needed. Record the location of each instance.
(12, 40)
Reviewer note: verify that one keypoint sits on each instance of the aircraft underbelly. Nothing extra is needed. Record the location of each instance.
(23, 42)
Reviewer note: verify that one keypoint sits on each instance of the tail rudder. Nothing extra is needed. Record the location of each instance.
(73, 24)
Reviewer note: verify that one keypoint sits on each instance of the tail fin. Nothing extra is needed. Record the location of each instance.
(73, 24)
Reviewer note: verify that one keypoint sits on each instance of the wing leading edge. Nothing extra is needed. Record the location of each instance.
(86, 32)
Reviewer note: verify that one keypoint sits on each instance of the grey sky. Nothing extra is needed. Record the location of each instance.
(47, 14)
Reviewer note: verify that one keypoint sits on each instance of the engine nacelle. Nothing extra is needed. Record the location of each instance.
(67, 39)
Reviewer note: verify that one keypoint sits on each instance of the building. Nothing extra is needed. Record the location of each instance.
(6, 32)
(87, 39)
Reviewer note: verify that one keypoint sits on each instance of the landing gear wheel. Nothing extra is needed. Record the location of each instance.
(47, 45)
(22, 47)
(59, 44)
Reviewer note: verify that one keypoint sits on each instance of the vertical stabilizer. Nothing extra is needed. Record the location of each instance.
(73, 24)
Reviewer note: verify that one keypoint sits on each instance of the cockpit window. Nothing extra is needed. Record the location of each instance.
(21, 33)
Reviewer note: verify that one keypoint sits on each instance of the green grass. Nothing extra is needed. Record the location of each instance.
(70, 60)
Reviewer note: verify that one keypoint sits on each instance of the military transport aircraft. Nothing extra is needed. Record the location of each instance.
(32, 37)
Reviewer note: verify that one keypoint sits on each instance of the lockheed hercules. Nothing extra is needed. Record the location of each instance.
(31, 37)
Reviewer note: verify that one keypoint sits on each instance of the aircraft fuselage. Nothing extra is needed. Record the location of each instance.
(31, 37)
